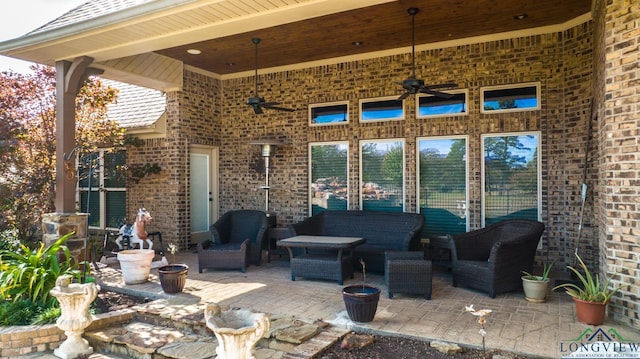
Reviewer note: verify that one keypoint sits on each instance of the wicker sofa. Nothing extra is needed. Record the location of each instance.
(492, 259)
(382, 231)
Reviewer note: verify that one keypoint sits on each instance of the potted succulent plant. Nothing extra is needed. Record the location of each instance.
(591, 296)
(536, 287)
(173, 276)
(361, 300)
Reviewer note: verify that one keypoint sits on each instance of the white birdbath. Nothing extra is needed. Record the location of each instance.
(237, 331)
(74, 301)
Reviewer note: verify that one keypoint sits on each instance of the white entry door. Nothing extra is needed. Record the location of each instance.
(204, 191)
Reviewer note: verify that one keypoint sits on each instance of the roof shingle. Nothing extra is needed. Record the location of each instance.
(136, 106)
(89, 10)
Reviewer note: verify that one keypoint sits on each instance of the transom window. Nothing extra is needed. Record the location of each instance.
(435, 106)
(510, 98)
(381, 109)
(102, 188)
(331, 113)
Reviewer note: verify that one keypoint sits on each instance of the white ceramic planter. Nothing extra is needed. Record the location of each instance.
(136, 265)
(535, 290)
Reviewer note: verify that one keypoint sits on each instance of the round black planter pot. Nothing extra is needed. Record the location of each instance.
(361, 302)
(173, 277)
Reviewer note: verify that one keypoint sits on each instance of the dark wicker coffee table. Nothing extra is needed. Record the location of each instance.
(323, 257)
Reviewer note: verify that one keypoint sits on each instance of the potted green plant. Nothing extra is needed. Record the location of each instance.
(536, 287)
(591, 296)
(173, 276)
(361, 300)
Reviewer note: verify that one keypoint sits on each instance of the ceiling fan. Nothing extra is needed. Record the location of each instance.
(413, 85)
(257, 102)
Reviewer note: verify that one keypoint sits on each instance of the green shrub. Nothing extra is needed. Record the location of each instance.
(47, 316)
(19, 312)
(31, 273)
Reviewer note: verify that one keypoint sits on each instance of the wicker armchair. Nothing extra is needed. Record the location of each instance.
(237, 238)
(492, 259)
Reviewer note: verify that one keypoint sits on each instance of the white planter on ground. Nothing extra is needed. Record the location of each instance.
(535, 288)
(136, 265)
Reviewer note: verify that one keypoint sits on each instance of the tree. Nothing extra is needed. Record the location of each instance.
(500, 161)
(28, 114)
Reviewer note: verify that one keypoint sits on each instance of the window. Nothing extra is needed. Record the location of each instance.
(511, 177)
(329, 113)
(382, 175)
(510, 98)
(328, 176)
(442, 185)
(104, 196)
(435, 106)
(381, 109)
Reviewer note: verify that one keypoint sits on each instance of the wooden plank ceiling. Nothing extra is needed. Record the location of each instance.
(374, 28)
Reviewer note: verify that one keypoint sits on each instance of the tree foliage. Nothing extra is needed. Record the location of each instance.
(28, 149)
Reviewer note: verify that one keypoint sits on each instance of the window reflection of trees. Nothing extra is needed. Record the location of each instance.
(382, 175)
(329, 181)
(443, 185)
(511, 177)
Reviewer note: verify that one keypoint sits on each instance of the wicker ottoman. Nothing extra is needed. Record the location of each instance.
(407, 272)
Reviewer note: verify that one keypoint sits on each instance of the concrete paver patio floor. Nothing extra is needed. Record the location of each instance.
(515, 324)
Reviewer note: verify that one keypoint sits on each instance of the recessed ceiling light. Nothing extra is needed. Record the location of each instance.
(520, 16)
(194, 51)
(230, 64)
(356, 43)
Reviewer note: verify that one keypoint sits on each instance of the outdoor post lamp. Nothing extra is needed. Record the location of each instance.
(267, 151)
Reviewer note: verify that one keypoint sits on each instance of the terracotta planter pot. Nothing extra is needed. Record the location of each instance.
(590, 312)
(173, 277)
(361, 302)
(535, 290)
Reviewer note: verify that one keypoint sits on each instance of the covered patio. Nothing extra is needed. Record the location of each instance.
(580, 56)
(515, 325)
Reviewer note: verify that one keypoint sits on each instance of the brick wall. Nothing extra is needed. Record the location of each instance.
(617, 94)
(192, 118)
(571, 67)
(560, 61)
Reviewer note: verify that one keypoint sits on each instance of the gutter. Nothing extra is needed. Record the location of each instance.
(83, 27)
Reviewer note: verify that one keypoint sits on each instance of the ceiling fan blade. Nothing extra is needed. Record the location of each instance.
(257, 109)
(404, 95)
(441, 86)
(436, 93)
(278, 108)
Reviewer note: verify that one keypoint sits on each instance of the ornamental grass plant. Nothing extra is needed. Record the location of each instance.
(26, 277)
(545, 273)
(592, 289)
